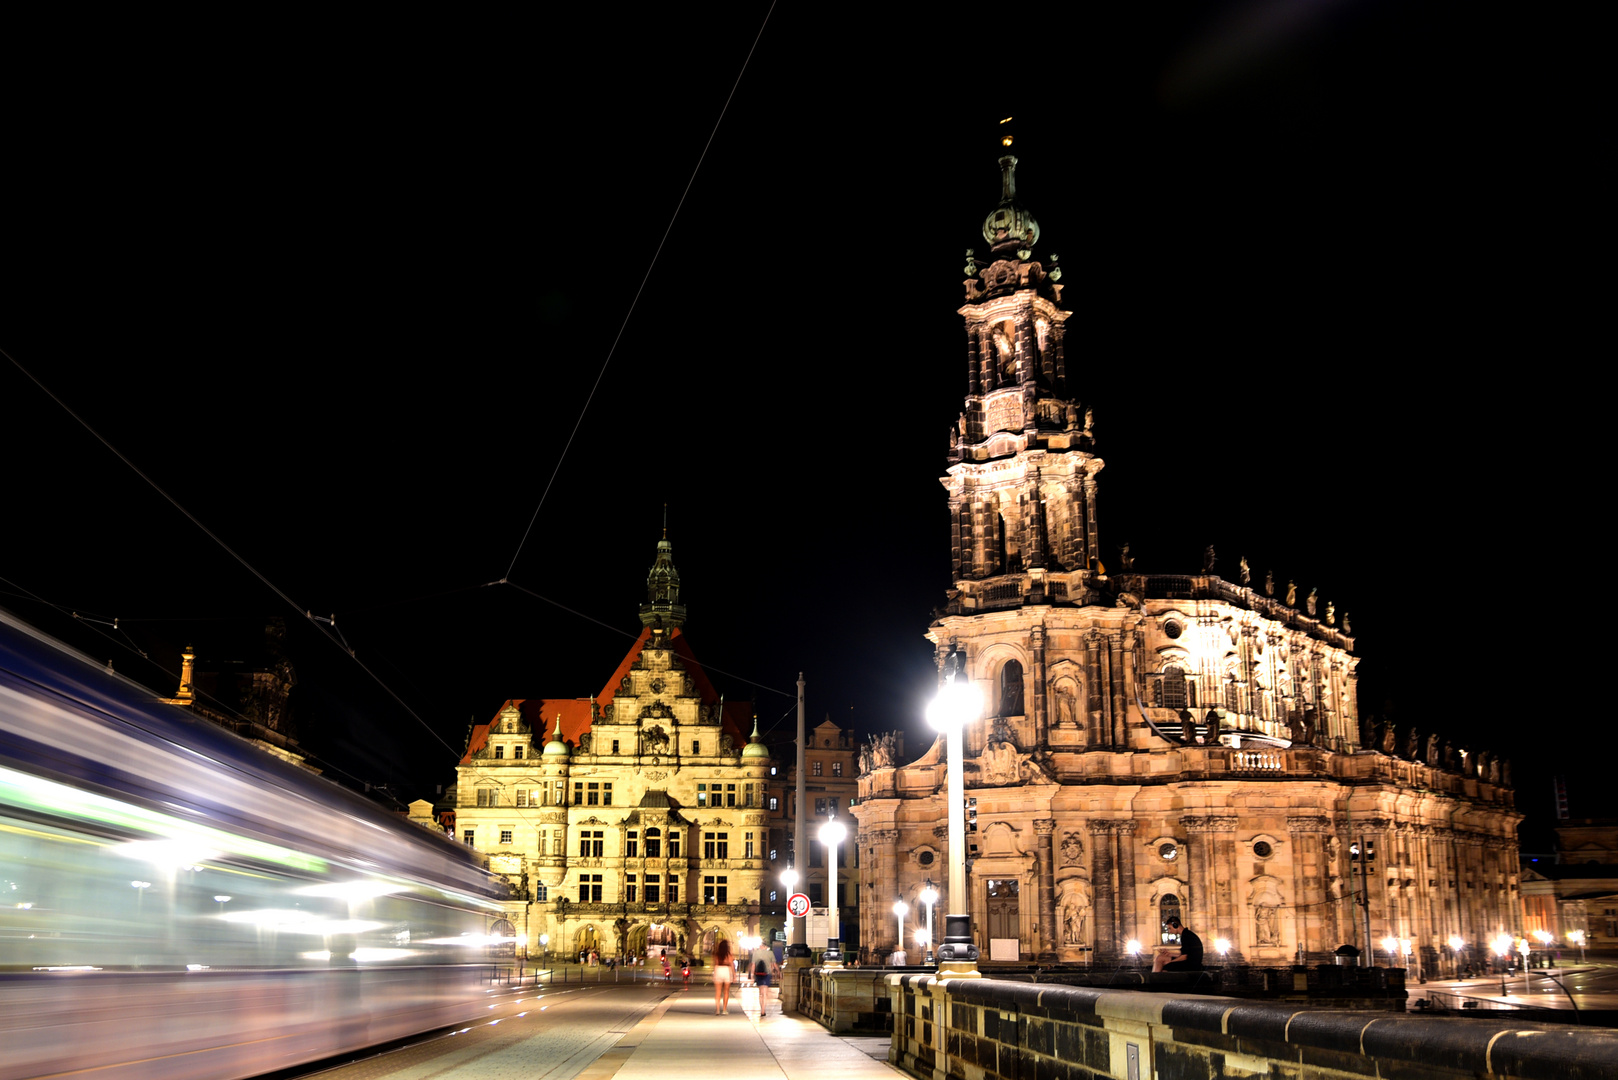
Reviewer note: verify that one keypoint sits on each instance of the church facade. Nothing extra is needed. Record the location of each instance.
(631, 820)
(1155, 744)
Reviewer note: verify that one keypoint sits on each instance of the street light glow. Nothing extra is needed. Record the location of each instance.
(789, 878)
(957, 703)
(1132, 947)
(1223, 945)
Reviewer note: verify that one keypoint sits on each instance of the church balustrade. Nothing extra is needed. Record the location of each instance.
(1258, 761)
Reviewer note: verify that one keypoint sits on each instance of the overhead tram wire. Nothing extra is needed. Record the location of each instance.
(577, 423)
(636, 637)
(299, 608)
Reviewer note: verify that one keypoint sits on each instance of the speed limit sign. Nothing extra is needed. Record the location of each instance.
(797, 905)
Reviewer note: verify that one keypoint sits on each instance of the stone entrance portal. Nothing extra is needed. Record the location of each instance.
(1002, 922)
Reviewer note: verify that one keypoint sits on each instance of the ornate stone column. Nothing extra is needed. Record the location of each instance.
(973, 337)
(1128, 902)
(1092, 539)
(1215, 834)
(1115, 679)
(1308, 885)
(888, 887)
(1045, 852)
(1093, 682)
(1041, 703)
(1103, 890)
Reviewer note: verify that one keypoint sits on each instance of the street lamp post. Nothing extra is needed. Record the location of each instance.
(832, 834)
(957, 704)
(901, 909)
(929, 896)
(1577, 938)
(1457, 948)
(789, 878)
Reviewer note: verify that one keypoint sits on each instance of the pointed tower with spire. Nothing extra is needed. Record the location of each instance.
(663, 608)
(1022, 467)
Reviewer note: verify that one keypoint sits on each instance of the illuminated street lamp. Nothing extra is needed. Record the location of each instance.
(1577, 938)
(929, 896)
(957, 704)
(1131, 947)
(1390, 945)
(1223, 946)
(901, 909)
(1457, 946)
(831, 834)
(789, 878)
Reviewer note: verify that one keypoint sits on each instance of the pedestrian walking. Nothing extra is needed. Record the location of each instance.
(765, 972)
(723, 972)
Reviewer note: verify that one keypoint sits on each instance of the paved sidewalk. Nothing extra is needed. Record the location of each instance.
(683, 1038)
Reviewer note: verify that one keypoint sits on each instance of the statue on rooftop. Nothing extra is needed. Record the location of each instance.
(1188, 727)
(1347, 629)
(1310, 602)
(1292, 594)
(1246, 573)
(1125, 559)
(1434, 753)
(1269, 583)
(1208, 559)
(1413, 745)
(1331, 613)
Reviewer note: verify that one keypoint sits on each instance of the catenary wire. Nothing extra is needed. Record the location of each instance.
(300, 609)
(577, 423)
(635, 637)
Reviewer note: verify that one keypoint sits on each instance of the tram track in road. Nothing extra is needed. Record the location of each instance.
(516, 1035)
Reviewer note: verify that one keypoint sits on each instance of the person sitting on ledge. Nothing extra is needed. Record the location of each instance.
(1190, 950)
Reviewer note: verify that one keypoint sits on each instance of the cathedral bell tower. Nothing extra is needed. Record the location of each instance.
(1022, 472)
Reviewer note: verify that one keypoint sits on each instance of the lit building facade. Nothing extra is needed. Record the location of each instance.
(830, 787)
(1154, 744)
(631, 819)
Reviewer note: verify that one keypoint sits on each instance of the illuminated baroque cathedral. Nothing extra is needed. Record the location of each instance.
(1154, 744)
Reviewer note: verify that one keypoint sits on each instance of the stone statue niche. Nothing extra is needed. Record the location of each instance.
(1073, 918)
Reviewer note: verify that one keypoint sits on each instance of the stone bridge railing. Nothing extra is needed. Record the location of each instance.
(989, 1029)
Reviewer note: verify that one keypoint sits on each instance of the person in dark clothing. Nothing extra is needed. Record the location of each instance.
(1190, 950)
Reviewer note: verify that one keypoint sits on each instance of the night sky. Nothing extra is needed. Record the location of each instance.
(344, 291)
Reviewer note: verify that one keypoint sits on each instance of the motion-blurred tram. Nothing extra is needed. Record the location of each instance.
(176, 903)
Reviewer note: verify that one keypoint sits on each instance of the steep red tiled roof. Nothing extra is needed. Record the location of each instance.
(541, 713)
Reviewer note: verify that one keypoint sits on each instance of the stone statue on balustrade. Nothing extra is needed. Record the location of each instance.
(1188, 727)
(1413, 745)
(1390, 738)
(1434, 753)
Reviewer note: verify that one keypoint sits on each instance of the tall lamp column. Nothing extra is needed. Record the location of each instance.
(956, 705)
(929, 896)
(832, 834)
(789, 878)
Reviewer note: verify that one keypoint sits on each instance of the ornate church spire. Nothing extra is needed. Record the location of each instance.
(663, 607)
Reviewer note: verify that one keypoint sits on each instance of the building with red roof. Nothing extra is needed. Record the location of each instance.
(631, 818)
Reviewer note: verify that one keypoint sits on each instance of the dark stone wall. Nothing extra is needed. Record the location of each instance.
(998, 1030)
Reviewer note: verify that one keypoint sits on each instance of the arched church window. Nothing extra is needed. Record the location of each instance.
(1169, 908)
(1174, 687)
(1010, 689)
